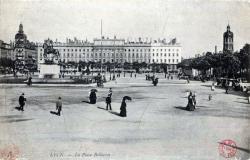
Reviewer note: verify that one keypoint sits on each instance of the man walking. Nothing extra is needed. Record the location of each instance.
(108, 100)
(22, 101)
(59, 106)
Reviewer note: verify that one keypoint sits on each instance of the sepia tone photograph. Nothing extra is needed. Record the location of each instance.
(124, 80)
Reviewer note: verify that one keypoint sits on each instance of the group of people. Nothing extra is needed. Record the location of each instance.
(92, 98)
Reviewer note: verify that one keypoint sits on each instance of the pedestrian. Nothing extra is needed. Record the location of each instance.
(110, 92)
(194, 100)
(190, 105)
(226, 87)
(209, 97)
(59, 106)
(123, 109)
(29, 81)
(22, 101)
(108, 99)
(188, 80)
(212, 87)
(92, 97)
(108, 102)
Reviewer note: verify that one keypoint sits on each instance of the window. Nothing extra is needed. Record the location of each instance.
(169, 54)
(72, 50)
(161, 49)
(173, 54)
(76, 50)
(68, 50)
(153, 54)
(177, 54)
(169, 50)
(157, 54)
(79, 50)
(161, 54)
(165, 60)
(165, 54)
(173, 60)
(177, 60)
(169, 60)
(41, 49)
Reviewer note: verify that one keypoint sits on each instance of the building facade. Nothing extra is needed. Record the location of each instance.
(118, 50)
(25, 52)
(5, 50)
(228, 43)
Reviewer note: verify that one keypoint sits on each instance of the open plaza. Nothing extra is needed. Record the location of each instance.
(157, 125)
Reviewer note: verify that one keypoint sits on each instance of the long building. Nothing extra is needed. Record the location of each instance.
(118, 50)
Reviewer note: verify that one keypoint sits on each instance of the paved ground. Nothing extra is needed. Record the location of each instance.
(157, 127)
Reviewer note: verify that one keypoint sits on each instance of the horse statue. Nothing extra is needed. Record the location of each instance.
(49, 50)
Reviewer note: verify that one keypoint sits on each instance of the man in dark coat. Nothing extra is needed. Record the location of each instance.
(59, 106)
(108, 100)
(22, 101)
(92, 97)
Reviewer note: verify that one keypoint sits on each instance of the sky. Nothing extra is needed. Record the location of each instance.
(197, 24)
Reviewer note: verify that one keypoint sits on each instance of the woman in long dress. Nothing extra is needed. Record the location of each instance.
(123, 112)
(190, 105)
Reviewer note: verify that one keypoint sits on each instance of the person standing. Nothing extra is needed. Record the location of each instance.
(22, 101)
(226, 87)
(59, 106)
(190, 105)
(29, 81)
(108, 100)
(123, 110)
(92, 97)
(194, 99)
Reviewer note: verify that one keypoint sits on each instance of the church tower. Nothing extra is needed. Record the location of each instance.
(228, 43)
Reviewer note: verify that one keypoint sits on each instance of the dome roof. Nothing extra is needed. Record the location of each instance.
(20, 34)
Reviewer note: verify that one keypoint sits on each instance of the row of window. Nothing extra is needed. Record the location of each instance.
(117, 55)
(133, 50)
(165, 60)
(131, 60)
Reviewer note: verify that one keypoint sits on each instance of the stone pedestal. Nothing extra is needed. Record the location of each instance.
(49, 71)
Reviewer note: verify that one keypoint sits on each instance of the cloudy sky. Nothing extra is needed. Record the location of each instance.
(197, 24)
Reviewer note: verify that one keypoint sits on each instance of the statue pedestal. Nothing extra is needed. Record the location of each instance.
(49, 71)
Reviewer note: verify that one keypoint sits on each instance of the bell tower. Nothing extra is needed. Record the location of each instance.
(228, 45)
